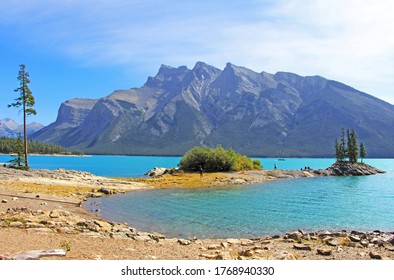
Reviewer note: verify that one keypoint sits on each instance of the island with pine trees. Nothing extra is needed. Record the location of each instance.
(348, 153)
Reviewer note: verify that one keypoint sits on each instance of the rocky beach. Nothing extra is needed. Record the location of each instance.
(41, 210)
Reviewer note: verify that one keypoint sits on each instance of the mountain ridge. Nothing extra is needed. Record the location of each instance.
(281, 114)
(10, 128)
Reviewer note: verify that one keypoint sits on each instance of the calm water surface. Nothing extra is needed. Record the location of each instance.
(334, 203)
(137, 166)
(363, 203)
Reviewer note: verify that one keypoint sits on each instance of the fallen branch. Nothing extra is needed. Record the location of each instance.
(37, 254)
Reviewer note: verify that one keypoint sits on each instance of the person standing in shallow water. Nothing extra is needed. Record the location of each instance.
(274, 166)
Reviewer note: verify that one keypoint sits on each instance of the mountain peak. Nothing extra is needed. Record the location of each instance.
(10, 128)
(255, 113)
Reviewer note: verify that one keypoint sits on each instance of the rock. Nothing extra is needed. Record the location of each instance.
(375, 240)
(157, 236)
(302, 247)
(15, 198)
(156, 172)
(228, 255)
(225, 244)
(95, 195)
(364, 243)
(104, 226)
(40, 230)
(54, 214)
(323, 234)
(354, 238)
(352, 169)
(295, 235)
(375, 255)
(184, 242)
(389, 248)
(246, 242)
(105, 191)
(210, 256)
(283, 255)
(34, 225)
(16, 224)
(247, 253)
(324, 252)
(214, 247)
(4, 201)
(233, 241)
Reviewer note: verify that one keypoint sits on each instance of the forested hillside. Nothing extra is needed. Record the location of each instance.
(7, 146)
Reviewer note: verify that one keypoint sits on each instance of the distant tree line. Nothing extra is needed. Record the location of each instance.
(347, 147)
(14, 145)
(216, 160)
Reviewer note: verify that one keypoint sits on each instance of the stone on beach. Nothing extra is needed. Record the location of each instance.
(324, 252)
(375, 255)
(302, 247)
(184, 242)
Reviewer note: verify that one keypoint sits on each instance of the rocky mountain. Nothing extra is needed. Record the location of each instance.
(260, 114)
(9, 128)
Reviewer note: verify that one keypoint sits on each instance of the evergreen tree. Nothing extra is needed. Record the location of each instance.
(352, 146)
(339, 151)
(349, 148)
(363, 153)
(19, 157)
(343, 149)
(26, 101)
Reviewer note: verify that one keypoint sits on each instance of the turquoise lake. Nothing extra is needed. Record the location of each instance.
(333, 203)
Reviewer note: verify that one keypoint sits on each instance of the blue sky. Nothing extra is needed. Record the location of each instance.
(88, 49)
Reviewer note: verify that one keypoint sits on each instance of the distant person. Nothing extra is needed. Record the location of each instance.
(201, 172)
(274, 166)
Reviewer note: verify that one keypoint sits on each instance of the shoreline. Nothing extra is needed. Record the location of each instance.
(44, 222)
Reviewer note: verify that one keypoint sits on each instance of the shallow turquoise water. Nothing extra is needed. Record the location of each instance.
(136, 166)
(334, 203)
(361, 203)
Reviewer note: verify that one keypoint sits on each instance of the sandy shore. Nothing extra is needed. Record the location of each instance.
(40, 210)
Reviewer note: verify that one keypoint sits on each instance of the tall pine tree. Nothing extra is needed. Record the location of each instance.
(26, 101)
(363, 153)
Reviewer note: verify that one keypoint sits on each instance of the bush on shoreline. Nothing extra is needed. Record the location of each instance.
(216, 160)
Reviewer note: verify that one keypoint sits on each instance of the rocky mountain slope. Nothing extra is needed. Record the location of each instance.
(259, 114)
(9, 128)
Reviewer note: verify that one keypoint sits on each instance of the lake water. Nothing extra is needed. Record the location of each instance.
(334, 203)
(137, 166)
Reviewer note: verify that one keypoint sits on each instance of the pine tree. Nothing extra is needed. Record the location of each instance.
(343, 149)
(352, 146)
(19, 157)
(26, 101)
(363, 153)
(339, 151)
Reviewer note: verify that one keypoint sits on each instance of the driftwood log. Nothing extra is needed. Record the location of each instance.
(37, 254)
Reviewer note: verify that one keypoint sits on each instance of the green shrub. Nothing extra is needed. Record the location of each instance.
(216, 160)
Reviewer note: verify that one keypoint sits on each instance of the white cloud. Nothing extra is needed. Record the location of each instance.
(347, 40)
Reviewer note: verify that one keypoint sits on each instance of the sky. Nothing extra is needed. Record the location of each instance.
(88, 49)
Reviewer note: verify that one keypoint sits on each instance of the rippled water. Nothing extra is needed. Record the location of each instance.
(361, 203)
